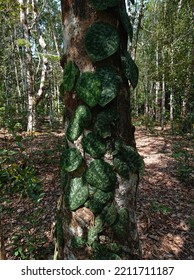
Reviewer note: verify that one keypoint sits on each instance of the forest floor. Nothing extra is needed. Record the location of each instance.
(165, 211)
(165, 203)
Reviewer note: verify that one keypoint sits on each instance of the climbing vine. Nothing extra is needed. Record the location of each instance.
(90, 135)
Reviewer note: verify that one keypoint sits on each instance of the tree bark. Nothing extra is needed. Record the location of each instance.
(77, 17)
(29, 67)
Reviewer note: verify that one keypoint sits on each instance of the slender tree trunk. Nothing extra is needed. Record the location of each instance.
(157, 85)
(29, 68)
(136, 37)
(85, 232)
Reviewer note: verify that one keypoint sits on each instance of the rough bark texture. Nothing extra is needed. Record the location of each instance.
(77, 17)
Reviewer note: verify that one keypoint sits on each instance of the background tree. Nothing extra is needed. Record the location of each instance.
(165, 63)
(100, 166)
(30, 71)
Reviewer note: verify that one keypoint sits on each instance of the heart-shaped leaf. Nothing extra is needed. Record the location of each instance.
(101, 41)
(88, 88)
(72, 159)
(76, 193)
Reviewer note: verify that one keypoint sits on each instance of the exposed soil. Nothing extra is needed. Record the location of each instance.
(165, 205)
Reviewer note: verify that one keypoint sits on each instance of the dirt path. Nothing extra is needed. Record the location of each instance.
(165, 204)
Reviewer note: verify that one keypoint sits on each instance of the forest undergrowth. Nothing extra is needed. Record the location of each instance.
(165, 207)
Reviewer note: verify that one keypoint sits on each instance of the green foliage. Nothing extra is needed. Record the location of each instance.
(94, 231)
(71, 159)
(80, 120)
(101, 5)
(94, 145)
(78, 242)
(126, 160)
(107, 251)
(88, 88)
(76, 193)
(121, 227)
(126, 22)
(104, 122)
(22, 180)
(70, 74)
(109, 214)
(160, 208)
(110, 84)
(101, 41)
(18, 178)
(26, 243)
(100, 174)
(99, 200)
(185, 161)
(130, 69)
(23, 43)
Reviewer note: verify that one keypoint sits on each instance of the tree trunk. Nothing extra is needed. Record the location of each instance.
(33, 98)
(157, 86)
(29, 67)
(101, 224)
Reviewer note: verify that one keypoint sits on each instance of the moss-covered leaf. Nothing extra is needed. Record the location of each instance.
(83, 115)
(94, 231)
(70, 74)
(100, 174)
(109, 214)
(130, 69)
(104, 122)
(99, 200)
(80, 120)
(110, 84)
(72, 159)
(76, 193)
(94, 145)
(101, 41)
(128, 160)
(88, 88)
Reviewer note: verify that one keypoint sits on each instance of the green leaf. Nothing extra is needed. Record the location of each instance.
(94, 231)
(110, 84)
(121, 228)
(130, 69)
(109, 214)
(74, 130)
(70, 74)
(83, 115)
(101, 41)
(72, 159)
(76, 193)
(99, 200)
(126, 22)
(127, 160)
(104, 122)
(80, 120)
(78, 242)
(101, 5)
(94, 145)
(100, 174)
(88, 88)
